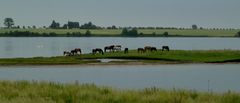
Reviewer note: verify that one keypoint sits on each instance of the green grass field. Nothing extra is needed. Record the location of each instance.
(48, 92)
(174, 56)
(107, 32)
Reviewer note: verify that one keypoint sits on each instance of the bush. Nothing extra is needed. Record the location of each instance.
(129, 33)
(165, 34)
(88, 33)
(238, 34)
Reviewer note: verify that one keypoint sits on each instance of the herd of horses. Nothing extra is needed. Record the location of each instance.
(114, 48)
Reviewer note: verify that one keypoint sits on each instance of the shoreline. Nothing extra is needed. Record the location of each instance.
(118, 64)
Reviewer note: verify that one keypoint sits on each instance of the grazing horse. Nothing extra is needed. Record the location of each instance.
(76, 51)
(147, 48)
(117, 47)
(97, 50)
(110, 48)
(165, 48)
(153, 49)
(66, 53)
(125, 50)
(141, 50)
(73, 52)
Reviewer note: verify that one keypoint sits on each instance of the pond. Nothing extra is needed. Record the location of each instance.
(201, 77)
(11, 47)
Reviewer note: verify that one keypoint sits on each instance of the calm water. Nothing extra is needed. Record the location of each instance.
(195, 76)
(32, 47)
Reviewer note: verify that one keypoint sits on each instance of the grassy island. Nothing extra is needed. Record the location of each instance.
(159, 57)
(47, 92)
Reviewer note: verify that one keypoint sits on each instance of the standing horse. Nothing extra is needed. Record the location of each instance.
(66, 53)
(147, 48)
(97, 50)
(141, 50)
(165, 48)
(117, 47)
(125, 50)
(110, 48)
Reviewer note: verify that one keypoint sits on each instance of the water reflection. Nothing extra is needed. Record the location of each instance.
(195, 76)
(8, 47)
(32, 47)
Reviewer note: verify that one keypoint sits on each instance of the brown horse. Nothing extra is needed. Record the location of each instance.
(141, 50)
(147, 48)
(97, 50)
(110, 48)
(165, 48)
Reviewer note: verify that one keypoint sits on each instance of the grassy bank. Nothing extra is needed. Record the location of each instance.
(117, 32)
(159, 57)
(44, 92)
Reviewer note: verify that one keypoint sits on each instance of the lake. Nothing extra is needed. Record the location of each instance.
(11, 47)
(201, 77)
(194, 76)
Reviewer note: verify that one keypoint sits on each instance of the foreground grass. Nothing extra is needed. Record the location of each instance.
(45, 92)
(174, 56)
(146, 32)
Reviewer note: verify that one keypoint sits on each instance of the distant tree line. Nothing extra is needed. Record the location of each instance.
(73, 25)
(9, 23)
(134, 33)
(126, 31)
(51, 34)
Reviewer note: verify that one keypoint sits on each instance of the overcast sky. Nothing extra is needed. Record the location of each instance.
(172, 13)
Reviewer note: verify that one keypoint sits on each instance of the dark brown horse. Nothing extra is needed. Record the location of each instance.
(76, 51)
(165, 48)
(141, 50)
(153, 49)
(125, 50)
(97, 50)
(110, 48)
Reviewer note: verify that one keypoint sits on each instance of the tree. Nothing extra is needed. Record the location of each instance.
(8, 22)
(194, 26)
(54, 25)
(65, 26)
(88, 25)
(34, 27)
(72, 25)
(124, 32)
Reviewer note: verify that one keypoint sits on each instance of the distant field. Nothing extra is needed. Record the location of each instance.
(107, 32)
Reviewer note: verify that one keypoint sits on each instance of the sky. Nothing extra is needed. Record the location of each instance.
(162, 13)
